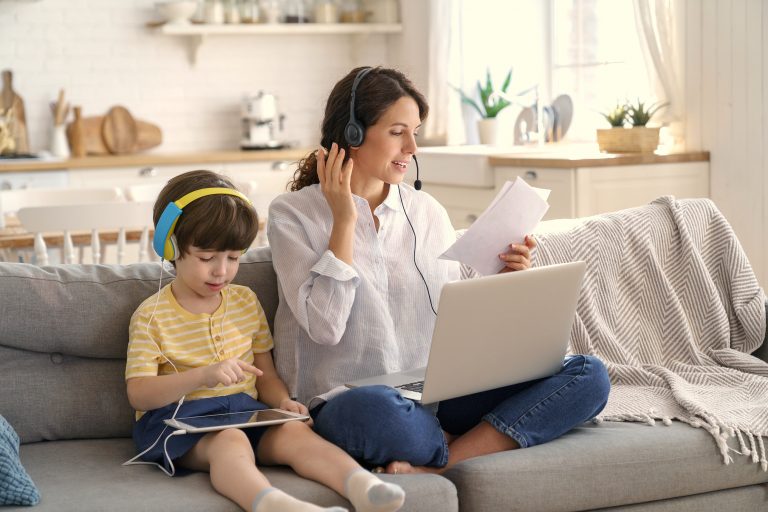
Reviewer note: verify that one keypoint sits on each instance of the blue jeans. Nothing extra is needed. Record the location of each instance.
(376, 425)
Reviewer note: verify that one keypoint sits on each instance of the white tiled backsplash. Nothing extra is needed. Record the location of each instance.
(102, 54)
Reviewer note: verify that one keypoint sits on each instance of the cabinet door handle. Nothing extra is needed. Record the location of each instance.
(531, 175)
(148, 172)
(279, 166)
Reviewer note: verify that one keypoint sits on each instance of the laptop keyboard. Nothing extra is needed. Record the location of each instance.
(416, 387)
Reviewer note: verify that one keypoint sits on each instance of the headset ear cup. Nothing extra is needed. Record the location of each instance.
(354, 133)
(172, 248)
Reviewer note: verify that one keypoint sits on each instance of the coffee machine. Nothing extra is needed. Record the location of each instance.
(262, 124)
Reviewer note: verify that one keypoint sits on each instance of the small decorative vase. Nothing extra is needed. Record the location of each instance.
(487, 130)
(59, 144)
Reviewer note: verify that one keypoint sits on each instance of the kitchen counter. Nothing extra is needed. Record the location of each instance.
(583, 181)
(593, 159)
(151, 159)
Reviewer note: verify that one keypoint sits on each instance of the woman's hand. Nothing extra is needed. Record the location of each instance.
(228, 372)
(335, 177)
(518, 257)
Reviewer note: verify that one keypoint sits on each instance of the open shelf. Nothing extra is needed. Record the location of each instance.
(197, 33)
(194, 29)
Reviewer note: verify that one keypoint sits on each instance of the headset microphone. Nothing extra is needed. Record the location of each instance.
(417, 183)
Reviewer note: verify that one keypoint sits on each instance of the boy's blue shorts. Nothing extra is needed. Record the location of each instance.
(150, 426)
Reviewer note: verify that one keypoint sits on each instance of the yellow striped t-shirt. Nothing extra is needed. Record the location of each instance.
(238, 328)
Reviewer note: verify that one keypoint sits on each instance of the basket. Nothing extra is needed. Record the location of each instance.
(639, 139)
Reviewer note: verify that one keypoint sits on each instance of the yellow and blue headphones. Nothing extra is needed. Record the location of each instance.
(164, 242)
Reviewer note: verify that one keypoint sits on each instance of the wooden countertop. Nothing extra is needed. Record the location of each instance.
(563, 160)
(150, 159)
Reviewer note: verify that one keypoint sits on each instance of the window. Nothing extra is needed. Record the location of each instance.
(587, 49)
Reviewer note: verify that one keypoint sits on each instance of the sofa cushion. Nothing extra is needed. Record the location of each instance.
(63, 340)
(597, 466)
(87, 475)
(16, 488)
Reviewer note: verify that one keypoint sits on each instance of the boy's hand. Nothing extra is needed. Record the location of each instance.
(228, 372)
(294, 406)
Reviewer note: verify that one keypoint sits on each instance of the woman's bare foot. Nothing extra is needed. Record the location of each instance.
(399, 467)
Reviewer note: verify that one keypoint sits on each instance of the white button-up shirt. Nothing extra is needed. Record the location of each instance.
(337, 322)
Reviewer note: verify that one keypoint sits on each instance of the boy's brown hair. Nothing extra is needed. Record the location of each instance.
(217, 222)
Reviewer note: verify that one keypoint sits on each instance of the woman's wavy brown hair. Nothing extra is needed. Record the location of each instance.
(378, 90)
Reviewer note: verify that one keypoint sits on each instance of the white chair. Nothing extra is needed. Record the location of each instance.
(143, 191)
(116, 218)
(12, 201)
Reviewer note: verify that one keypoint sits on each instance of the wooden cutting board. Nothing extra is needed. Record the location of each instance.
(148, 135)
(9, 99)
(119, 131)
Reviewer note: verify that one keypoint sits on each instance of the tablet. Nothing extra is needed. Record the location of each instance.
(244, 419)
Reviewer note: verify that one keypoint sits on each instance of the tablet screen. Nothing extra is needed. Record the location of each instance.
(239, 418)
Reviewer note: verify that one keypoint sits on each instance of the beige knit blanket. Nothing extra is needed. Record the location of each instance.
(672, 306)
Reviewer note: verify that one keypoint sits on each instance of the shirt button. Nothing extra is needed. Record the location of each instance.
(221, 352)
(217, 337)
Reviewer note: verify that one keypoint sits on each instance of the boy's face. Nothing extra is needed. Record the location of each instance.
(203, 273)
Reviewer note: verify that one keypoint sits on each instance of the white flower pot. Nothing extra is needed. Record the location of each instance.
(487, 130)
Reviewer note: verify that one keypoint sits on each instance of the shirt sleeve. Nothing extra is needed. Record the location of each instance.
(318, 287)
(143, 359)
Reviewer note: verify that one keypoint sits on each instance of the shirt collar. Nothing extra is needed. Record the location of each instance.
(392, 201)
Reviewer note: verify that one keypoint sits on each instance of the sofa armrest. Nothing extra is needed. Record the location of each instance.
(762, 350)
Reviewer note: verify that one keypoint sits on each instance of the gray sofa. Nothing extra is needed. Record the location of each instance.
(63, 335)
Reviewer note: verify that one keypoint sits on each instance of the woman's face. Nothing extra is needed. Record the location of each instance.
(389, 144)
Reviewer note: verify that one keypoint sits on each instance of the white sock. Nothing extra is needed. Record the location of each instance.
(275, 500)
(368, 493)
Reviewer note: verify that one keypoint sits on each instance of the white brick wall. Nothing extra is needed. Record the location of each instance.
(102, 54)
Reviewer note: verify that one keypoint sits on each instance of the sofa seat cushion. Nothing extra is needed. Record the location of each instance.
(88, 475)
(605, 465)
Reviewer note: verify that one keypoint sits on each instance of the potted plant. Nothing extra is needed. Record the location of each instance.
(491, 102)
(638, 138)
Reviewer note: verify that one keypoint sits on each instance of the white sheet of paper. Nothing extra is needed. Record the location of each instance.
(513, 213)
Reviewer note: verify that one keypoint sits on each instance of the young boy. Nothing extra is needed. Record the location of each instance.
(205, 342)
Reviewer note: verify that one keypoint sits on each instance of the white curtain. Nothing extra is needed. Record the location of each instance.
(661, 27)
(444, 124)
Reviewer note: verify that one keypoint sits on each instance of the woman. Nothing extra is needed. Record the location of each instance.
(355, 302)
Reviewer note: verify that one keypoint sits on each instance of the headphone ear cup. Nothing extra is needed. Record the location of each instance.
(172, 249)
(354, 133)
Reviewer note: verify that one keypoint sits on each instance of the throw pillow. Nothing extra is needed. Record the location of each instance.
(16, 487)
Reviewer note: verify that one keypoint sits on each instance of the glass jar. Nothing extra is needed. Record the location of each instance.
(271, 11)
(326, 11)
(296, 12)
(214, 12)
(231, 11)
(249, 11)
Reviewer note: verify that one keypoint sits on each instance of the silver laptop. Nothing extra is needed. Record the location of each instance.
(494, 331)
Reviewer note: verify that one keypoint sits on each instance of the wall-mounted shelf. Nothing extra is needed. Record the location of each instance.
(198, 32)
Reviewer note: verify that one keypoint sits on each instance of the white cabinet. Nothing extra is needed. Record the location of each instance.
(37, 179)
(125, 176)
(461, 183)
(584, 191)
(263, 181)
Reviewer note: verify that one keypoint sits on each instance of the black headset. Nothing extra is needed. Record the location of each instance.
(354, 132)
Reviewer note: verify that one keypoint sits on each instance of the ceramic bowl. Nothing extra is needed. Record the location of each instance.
(176, 11)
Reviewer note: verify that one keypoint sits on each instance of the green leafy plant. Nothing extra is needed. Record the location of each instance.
(617, 116)
(639, 115)
(492, 101)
